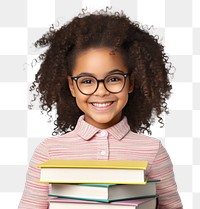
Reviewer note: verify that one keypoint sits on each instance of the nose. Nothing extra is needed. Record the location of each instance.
(101, 90)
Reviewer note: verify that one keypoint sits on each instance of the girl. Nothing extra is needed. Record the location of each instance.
(108, 79)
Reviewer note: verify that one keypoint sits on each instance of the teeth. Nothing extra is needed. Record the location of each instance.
(102, 104)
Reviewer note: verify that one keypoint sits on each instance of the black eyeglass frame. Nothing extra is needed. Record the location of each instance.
(75, 78)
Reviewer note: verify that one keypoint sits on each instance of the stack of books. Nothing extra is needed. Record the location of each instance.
(101, 184)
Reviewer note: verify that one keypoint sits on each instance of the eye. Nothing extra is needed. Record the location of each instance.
(114, 79)
(86, 81)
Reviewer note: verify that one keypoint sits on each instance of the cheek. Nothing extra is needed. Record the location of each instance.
(122, 99)
(80, 99)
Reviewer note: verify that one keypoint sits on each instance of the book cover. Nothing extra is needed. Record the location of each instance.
(64, 203)
(109, 164)
(93, 171)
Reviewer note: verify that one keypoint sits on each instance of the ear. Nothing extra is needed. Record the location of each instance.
(130, 89)
(71, 86)
(131, 85)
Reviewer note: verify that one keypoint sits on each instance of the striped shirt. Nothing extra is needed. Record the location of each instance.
(115, 143)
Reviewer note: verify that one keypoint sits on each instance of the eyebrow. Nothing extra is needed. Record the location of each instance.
(110, 72)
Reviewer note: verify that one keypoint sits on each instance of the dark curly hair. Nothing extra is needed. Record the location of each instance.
(144, 57)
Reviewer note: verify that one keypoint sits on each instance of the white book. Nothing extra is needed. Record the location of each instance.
(104, 192)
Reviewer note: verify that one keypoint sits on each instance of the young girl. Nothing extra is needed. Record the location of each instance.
(108, 79)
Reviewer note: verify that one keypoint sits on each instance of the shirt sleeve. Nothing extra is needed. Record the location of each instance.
(35, 195)
(162, 169)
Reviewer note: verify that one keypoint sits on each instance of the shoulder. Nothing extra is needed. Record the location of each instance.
(60, 145)
(60, 139)
(143, 138)
(147, 145)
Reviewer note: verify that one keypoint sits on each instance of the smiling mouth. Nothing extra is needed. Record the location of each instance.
(100, 105)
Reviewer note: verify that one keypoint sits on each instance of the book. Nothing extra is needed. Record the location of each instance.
(104, 192)
(64, 203)
(93, 171)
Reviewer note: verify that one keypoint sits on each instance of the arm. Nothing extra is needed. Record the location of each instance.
(162, 169)
(35, 195)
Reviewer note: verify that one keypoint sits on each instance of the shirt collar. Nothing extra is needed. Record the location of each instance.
(87, 131)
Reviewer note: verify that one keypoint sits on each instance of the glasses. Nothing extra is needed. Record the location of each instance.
(113, 83)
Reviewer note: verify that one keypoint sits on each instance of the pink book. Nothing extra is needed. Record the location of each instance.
(64, 203)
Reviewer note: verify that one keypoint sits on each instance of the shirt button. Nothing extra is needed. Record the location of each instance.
(103, 152)
(103, 133)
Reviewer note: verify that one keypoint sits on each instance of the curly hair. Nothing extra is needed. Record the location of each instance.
(144, 57)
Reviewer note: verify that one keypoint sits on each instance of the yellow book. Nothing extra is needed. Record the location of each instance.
(93, 171)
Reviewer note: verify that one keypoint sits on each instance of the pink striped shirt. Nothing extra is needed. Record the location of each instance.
(114, 143)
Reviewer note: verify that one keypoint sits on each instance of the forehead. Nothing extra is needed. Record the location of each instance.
(98, 61)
